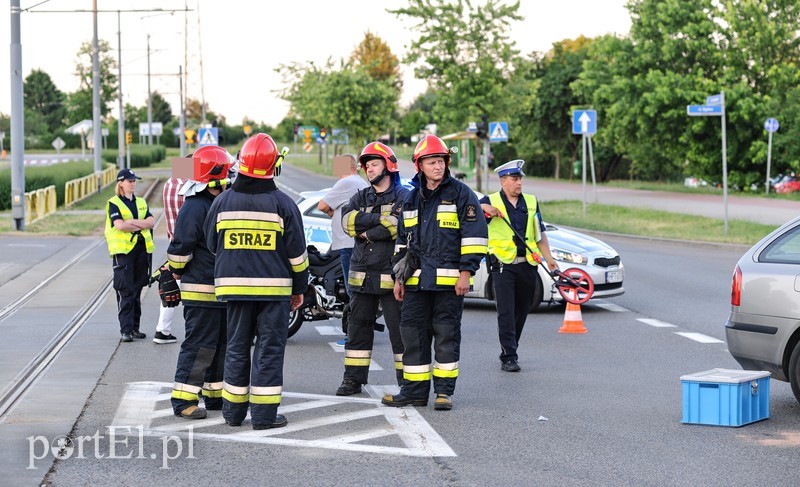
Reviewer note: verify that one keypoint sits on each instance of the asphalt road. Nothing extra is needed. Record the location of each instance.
(602, 408)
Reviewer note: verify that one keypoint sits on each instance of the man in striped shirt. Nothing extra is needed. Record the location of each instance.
(172, 203)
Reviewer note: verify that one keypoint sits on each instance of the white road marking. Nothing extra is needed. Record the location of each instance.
(139, 407)
(287, 188)
(698, 337)
(656, 323)
(610, 307)
(326, 330)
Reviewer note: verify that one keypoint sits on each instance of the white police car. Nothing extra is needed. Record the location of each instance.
(569, 248)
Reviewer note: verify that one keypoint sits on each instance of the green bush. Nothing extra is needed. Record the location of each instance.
(41, 177)
(141, 155)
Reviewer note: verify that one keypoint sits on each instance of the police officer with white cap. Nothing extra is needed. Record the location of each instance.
(513, 265)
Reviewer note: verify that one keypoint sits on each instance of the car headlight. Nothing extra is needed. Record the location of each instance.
(571, 257)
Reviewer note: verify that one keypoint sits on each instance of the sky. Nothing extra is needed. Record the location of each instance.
(242, 43)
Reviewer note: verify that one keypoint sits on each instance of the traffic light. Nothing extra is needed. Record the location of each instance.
(128, 137)
(483, 127)
(323, 133)
(296, 128)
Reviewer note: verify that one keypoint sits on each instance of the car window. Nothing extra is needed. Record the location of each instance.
(784, 250)
(316, 213)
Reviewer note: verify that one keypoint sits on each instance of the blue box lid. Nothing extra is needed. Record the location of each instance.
(729, 376)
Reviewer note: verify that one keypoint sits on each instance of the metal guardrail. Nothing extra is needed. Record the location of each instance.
(78, 189)
(40, 203)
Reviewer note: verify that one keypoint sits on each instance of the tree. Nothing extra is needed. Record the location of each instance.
(80, 102)
(464, 52)
(44, 98)
(377, 59)
(678, 54)
(162, 112)
(347, 97)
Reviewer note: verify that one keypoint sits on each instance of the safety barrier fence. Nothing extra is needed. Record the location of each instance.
(78, 189)
(40, 203)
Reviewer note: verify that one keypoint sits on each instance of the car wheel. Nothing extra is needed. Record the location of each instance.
(295, 320)
(794, 371)
(538, 294)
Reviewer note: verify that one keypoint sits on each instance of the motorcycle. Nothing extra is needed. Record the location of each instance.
(326, 296)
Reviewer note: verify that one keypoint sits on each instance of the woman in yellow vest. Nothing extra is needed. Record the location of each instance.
(513, 267)
(129, 235)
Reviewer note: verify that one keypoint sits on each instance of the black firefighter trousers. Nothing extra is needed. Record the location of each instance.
(201, 359)
(361, 334)
(430, 316)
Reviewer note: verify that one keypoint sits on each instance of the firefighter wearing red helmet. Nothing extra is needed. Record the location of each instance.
(202, 356)
(261, 271)
(371, 218)
(441, 237)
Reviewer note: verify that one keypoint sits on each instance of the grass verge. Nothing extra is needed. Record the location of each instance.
(653, 223)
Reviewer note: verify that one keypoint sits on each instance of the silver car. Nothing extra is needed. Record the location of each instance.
(763, 330)
(569, 248)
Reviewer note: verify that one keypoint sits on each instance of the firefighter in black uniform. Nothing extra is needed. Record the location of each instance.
(202, 356)
(371, 217)
(441, 226)
(513, 267)
(129, 236)
(261, 270)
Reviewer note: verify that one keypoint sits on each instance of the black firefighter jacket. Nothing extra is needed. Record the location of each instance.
(447, 231)
(372, 219)
(188, 254)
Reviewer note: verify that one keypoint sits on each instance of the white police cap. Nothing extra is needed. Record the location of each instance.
(513, 168)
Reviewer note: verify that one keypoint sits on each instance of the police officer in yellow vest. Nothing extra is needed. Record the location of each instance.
(129, 235)
(513, 266)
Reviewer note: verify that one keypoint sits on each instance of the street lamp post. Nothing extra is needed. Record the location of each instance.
(97, 131)
(121, 121)
(149, 98)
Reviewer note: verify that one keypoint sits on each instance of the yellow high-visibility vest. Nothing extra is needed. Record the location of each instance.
(120, 242)
(501, 237)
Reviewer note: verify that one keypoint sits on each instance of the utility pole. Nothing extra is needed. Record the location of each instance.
(17, 123)
(121, 121)
(182, 135)
(149, 98)
(97, 131)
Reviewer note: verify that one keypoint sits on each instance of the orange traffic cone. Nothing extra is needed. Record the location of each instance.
(573, 321)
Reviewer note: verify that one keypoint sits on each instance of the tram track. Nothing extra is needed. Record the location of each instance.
(35, 368)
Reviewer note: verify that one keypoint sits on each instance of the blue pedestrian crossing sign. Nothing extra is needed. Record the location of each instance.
(584, 122)
(207, 136)
(498, 131)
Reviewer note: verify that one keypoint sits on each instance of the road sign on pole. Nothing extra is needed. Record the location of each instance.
(704, 110)
(584, 122)
(207, 136)
(715, 107)
(498, 131)
(770, 125)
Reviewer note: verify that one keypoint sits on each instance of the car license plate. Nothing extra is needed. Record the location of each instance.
(614, 276)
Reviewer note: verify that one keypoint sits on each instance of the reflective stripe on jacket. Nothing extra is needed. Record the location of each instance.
(260, 246)
(447, 231)
(501, 236)
(120, 242)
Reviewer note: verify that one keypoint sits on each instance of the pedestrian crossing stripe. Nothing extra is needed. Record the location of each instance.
(498, 133)
(372, 427)
(208, 138)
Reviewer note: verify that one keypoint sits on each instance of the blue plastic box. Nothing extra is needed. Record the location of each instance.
(725, 397)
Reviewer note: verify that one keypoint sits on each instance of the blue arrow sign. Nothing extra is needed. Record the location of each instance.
(584, 122)
(714, 100)
(771, 125)
(704, 110)
(498, 131)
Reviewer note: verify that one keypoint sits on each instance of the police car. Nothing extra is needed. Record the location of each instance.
(569, 249)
